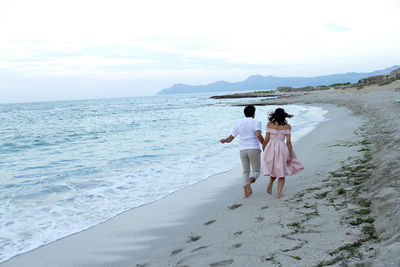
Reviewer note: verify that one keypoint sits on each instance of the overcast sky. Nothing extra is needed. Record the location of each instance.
(56, 49)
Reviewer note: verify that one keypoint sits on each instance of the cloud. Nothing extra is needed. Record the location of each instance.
(126, 60)
(336, 28)
(72, 65)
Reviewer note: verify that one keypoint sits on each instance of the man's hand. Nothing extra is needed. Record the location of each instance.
(227, 140)
(260, 137)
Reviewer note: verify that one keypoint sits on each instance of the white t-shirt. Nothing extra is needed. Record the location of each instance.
(246, 129)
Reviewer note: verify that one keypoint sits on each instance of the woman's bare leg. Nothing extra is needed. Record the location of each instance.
(271, 182)
(281, 183)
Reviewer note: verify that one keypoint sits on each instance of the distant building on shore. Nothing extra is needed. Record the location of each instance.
(379, 79)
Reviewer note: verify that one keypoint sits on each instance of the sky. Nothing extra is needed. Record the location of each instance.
(56, 49)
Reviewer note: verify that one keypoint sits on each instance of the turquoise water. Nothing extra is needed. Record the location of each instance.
(67, 166)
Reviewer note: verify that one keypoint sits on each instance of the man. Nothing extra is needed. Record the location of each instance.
(250, 138)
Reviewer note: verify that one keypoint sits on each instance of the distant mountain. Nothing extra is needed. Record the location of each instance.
(258, 82)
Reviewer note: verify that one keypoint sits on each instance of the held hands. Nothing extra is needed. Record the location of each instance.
(222, 141)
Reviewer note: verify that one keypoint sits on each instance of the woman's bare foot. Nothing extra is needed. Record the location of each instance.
(271, 183)
(281, 182)
(269, 189)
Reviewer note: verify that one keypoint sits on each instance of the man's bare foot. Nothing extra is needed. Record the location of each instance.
(246, 195)
(278, 195)
(247, 191)
(269, 189)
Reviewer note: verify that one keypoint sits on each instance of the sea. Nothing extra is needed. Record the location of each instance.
(67, 166)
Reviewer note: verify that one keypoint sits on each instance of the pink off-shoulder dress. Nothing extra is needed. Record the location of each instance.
(276, 155)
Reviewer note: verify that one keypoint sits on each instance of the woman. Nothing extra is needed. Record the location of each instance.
(279, 159)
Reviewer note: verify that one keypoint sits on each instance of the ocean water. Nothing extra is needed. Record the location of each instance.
(67, 166)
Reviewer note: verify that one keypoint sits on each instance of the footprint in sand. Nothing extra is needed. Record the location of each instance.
(268, 258)
(193, 238)
(294, 248)
(260, 219)
(142, 265)
(222, 263)
(238, 233)
(176, 251)
(234, 206)
(209, 222)
(265, 207)
(238, 245)
(196, 249)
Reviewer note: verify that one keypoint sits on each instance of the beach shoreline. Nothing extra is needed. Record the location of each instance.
(101, 245)
(210, 223)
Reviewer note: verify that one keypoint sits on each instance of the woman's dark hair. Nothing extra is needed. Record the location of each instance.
(279, 116)
(249, 111)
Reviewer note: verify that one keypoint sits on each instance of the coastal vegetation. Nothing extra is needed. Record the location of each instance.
(353, 176)
(344, 190)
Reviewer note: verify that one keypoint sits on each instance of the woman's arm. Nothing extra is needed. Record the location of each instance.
(266, 140)
(267, 136)
(227, 140)
(289, 145)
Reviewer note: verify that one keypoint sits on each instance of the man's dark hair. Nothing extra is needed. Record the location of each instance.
(249, 111)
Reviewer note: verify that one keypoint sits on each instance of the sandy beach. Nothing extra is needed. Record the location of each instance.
(344, 208)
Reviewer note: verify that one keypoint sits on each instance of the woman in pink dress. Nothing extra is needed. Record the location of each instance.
(278, 158)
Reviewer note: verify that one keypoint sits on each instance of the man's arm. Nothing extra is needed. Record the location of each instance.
(259, 136)
(227, 140)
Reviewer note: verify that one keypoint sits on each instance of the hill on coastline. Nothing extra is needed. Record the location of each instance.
(259, 82)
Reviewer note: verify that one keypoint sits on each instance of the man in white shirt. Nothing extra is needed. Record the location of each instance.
(250, 138)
